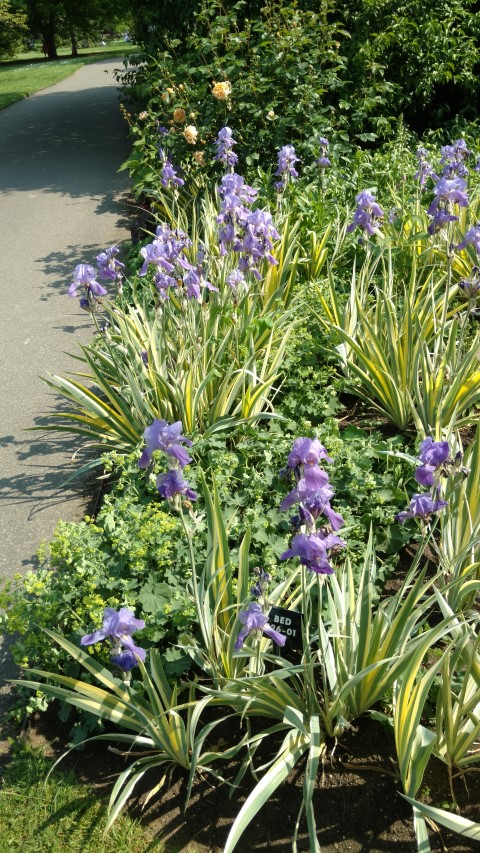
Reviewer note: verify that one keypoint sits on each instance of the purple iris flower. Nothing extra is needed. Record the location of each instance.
(263, 579)
(166, 253)
(312, 551)
(421, 506)
(125, 659)
(172, 483)
(425, 170)
(452, 159)
(118, 628)
(473, 237)
(224, 144)
(470, 287)
(251, 234)
(155, 253)
(108, 266)
(286, 162)
(433, 452)
(368, 214)
(235, 193)
(313, 483)
(317, 505)
(236, 279)
(257, 242)
(324, 162)
(170, 176)
(193, 280)
(323, 142)
(163, 282)
(254, 619)
(307, 451)
(84, 274)
(449, 191)
(440, 218)
(236, 197)
(167, 437)
(432, 455)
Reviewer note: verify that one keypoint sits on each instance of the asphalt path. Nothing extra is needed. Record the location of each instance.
(62, 201)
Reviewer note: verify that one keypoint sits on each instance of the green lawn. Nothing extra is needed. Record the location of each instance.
(59, 815)
(30, 72)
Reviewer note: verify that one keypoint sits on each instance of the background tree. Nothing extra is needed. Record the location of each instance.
(13, 29)
(55, 21)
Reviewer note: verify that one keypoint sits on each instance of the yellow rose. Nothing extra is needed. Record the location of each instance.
(222, 91)
(190, 133)
(199, 157)
(143, 115)
(179, 115)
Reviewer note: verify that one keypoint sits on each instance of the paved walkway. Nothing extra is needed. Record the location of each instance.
(61, 203)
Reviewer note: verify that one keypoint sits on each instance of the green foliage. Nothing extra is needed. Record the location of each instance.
(131, 555)
(13, 28)
(452, 821)
(458, 707)
(52, 20)
(460, 533)
(134, 553)
(19, 80)
(298, 71)
(422, 55)
(281, 64)
(400, 341)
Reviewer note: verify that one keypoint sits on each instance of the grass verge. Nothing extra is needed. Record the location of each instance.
(59, 814)
(20, 79)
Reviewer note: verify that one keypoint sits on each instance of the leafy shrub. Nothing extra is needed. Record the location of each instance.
(299, 71)
(280, 65)
(423, 55)
(132, 552)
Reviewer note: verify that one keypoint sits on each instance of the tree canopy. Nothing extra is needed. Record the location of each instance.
(54, 20)
(13, 29)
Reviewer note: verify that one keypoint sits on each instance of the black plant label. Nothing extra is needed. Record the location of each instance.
(288, 623)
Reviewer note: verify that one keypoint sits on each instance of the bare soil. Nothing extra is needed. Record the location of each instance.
(358, 805)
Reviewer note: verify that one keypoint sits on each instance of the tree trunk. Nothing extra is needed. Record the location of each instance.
(49, 40)
(74, 45)
(49, 46)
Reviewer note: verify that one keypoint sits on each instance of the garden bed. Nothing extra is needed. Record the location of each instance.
(285, 392)
(357, 801)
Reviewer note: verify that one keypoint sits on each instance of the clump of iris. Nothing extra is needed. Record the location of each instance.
(117, 629)
(316, 521)
(450, 188)
(323, 161)
(84, 275)
(168, 438)
(286, 166)
(224, 145)
(368, 215)
(168, 254)
(436, 464)
(248, 234)
(169, 174)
